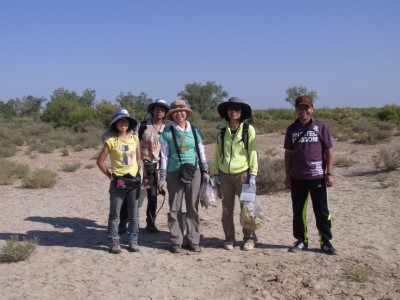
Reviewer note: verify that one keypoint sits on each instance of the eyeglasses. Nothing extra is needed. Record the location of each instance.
(159, 108)
(302, 107)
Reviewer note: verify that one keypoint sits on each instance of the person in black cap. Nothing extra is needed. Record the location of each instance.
(235, 163)
(309, 166)
(122, 146)
(149, 135)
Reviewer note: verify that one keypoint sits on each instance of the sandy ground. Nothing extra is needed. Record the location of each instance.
(72, 260)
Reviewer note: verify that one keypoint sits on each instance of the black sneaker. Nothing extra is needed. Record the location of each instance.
(327, 248)
(194, 247)
(298, 246)
(176, 249)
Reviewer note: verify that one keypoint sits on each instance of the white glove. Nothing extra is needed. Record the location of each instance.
(206, 177)
(162, 181)
(252, 180)
(217, 180)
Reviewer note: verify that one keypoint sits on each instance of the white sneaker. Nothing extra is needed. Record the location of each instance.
(228, 245)
(248, 246)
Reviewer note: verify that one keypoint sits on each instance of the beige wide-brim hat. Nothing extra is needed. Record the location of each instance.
(178, 105)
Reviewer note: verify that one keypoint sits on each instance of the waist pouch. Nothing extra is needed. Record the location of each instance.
(126, 183)
(187, 172)
(150, 167)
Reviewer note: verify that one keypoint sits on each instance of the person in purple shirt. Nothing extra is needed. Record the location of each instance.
(308, 166)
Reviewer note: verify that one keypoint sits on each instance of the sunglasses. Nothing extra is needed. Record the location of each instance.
(234, 108)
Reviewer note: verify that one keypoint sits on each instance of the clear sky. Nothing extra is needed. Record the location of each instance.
(348, 51)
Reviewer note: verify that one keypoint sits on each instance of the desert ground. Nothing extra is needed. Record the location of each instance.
(72, 259)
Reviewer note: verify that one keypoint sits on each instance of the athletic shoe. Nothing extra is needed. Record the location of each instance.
(248, 246)
(133, 248)
(115, 245)
(298, 246)
(327, 248)
(151, 227)
(176, 249)
(194, 247)
(228, 245)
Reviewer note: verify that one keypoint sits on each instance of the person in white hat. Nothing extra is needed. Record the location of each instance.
(122, 146)
(149, 136)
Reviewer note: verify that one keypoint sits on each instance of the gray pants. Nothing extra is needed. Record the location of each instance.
(231, 186)
(177, 190)
(117, 197)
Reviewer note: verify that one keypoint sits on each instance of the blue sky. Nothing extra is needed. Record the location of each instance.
(348, 51)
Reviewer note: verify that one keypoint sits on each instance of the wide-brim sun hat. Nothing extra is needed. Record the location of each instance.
(234, 101)
(178, 105)
(158, 103)
(120, 114)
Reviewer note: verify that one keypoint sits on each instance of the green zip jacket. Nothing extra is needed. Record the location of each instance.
(236, 158)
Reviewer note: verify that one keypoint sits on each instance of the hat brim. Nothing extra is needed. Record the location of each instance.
(223, 110)
(132, 122)
(151, 106)
(188, 111)
(305, 103)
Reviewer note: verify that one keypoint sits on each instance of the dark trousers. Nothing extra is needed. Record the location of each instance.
(151, 202)
(152, 199)
(301, 189)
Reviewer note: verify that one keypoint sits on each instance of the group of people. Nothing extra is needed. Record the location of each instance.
(168, 154)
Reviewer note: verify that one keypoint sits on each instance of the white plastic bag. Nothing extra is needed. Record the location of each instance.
(208, 195)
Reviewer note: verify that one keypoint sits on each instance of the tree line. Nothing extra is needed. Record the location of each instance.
(67, 108)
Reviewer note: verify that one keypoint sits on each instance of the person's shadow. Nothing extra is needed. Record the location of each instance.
(71, 232)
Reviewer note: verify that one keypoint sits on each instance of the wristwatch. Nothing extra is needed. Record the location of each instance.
(329, 174)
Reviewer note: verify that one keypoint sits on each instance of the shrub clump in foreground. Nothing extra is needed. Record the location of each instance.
(387, 159)
(39, 179)
(271, 175)
(18, 250)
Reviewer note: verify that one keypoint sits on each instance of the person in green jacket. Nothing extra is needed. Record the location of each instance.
(235, 163)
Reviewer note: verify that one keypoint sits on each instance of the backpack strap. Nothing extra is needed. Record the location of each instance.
(245, 137)
(175, 143)
(142, 128)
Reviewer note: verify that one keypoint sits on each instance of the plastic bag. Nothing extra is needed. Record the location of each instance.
(252, 216)
(207, 195)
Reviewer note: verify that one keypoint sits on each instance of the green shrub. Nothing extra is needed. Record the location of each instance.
(10, 171)
(387, 159)
(360, 274)
(65, 152)
(18, 250)
(271, 175)
(40, 178)
(344, 162)
(71, 167)
(7, 150)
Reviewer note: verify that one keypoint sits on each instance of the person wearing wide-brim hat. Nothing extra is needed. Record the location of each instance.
(178, 147)
(234, 102)
(149, 135)
(179, 105)
(235, 163)
(125, 160)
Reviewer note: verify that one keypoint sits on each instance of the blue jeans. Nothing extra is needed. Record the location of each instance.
(117, 197)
